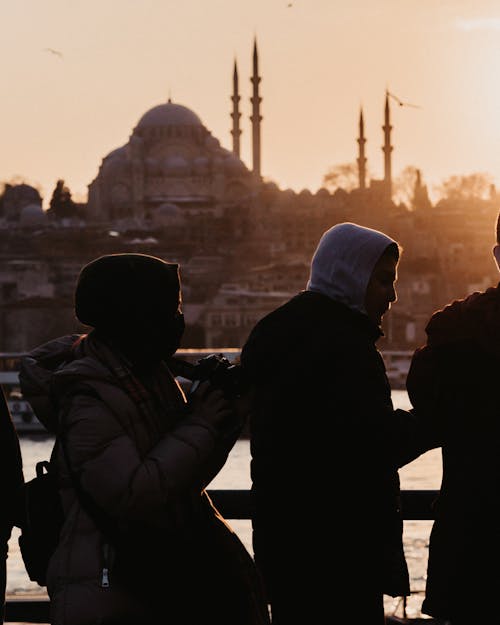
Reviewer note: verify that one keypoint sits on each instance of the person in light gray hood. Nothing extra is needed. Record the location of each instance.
(344, 260)
(325, 437)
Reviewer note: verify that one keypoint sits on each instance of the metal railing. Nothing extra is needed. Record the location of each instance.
(234, 505)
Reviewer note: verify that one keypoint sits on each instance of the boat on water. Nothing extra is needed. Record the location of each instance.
(23, 417)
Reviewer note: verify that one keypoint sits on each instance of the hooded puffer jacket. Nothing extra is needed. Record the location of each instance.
(155, 550)
(454, 378)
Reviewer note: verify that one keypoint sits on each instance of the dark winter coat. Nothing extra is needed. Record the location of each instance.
(11, 483)
(326, 445)
(157, 551)
(455, 377)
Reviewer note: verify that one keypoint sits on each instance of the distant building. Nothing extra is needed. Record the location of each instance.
(243, 244)
(172, 161)
(21, 203)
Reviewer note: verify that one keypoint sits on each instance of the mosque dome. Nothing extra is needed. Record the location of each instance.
(212, 142)
(120, 153)
(31, 215)
(234, 165)
(115, 160)
(169, 114)
(22, 193)
(168, 214)
(169, 210)
(322, 192)
(176, 164)
(201, 165)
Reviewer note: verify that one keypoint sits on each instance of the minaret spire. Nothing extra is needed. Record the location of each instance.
(387, 149)
(235, 115)
(256, 116)
(361, 152)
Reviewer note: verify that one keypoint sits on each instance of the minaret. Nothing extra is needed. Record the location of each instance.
(420, 200)
(361, 160)
(235, 115)
(387, 149)
(256, 117)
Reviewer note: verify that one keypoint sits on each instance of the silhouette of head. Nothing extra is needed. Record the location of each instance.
(134, 300)
(347, 257)
(380, 292)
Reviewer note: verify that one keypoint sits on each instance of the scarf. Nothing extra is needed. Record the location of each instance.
(159, 399)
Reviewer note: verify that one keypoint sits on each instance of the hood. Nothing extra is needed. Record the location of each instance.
(36, 374)
(47, 371)
(343, 263)
(475, 319)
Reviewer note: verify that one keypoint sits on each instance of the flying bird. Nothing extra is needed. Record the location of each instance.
(54, 52)
(401, 103)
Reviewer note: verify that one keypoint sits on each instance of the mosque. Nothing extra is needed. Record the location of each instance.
(244, 244)
(172, 167)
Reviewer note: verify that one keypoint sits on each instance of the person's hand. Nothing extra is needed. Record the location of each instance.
(208, 403)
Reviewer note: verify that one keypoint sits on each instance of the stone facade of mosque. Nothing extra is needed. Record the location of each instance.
(170, 169)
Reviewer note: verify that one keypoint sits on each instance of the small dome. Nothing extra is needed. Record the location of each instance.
(270, 185)
(169, 114)
(120, 153)
(200, 165)
(23, 192)
(167, 209)
(153, 167)
(176, 164)
(168, 214)
(212, 143)
(32, 209)
(234, 164)
(323, 192)
(115, 160)
(32, 214)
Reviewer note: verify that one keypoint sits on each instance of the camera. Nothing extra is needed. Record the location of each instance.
(214, 368)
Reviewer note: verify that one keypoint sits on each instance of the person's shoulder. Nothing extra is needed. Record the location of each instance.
(472, 319)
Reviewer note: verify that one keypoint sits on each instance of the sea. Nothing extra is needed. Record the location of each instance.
(421, 474)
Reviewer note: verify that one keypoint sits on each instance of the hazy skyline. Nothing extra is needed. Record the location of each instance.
(79, 75)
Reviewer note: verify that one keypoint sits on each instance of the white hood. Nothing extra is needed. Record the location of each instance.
(343, 263)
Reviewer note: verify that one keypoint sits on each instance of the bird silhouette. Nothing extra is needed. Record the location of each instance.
(400, 102)
(54, 52)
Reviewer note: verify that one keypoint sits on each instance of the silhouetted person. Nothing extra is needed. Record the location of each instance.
(455, 377)
(149, 547)
(11, 487)
(326, 442)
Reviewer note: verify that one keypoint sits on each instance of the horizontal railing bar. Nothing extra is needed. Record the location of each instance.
(416, 505)
(27, 611)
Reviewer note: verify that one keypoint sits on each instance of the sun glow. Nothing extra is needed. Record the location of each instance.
(78, 76)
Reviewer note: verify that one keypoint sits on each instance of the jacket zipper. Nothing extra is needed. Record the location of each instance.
(105, 569)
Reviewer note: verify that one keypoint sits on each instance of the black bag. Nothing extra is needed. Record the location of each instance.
(44, 517)
(43, 520)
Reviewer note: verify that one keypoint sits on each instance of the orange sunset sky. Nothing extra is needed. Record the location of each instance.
(77, 75)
